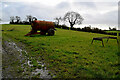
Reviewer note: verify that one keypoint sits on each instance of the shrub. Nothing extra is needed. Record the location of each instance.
(78, 29)
(87, 29)
(57, 26)
(73, 29)
(64, 27)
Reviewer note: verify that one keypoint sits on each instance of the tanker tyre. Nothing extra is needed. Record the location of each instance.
(51, 32)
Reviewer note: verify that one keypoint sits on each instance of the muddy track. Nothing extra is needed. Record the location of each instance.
(11, 60)
(16, 65)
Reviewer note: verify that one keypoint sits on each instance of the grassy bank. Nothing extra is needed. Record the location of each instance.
(69, 54)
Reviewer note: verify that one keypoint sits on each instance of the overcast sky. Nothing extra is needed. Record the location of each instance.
(93, 11)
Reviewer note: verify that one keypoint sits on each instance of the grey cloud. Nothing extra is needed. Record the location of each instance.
(38, 10)
(85, 4)
(63, 5)
(107, 18)
(46, 12)
(21, 9)
(110, 17)
(106, 3)
(13, 9)
(91, 12)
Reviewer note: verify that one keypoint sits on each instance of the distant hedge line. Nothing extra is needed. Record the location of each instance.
(25, 23)
(86, 29)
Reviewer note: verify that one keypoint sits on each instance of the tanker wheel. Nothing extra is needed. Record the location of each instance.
(51, 32)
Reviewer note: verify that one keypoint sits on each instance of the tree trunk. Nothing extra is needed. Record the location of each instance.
(17, 21)
(71, 25)
(12, 21)
(58, 22)
(30, 20)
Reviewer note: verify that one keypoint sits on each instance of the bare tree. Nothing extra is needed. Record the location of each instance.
(12, 19)
(73, 18)
(29, 18)
(18, 19)
(58, 19)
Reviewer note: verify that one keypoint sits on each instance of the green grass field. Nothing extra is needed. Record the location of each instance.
(69, 54)
(112, 31)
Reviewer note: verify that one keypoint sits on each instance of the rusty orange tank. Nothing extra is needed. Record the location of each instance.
(42, 26)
